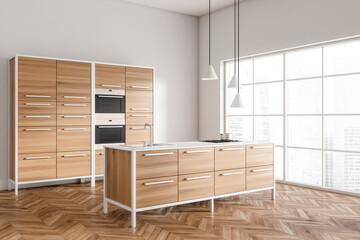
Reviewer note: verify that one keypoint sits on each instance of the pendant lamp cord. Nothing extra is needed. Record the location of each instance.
(209, 31)
(238, 76)
(235, 38)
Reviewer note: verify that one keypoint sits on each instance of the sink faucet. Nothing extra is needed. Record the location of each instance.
(151, 134)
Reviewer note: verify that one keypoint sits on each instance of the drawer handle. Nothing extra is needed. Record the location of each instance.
(110, 126)
(138, 115)
(75, 97)
(110, 96)
(37, 104)
(259, 147)
(37, 96)
(137, 128)
(74, 105)
(76, 155)
(196, 178)
(106, 85)
(158, 154)
(198, 151)
(32, 158)
(231, 149)
(140, 109)
(140, 87)
(233, 173)
(261, 170)
(73, 129)
(74, 116)
(101, 153)
(39, 129)
(37, 116)
(155, 183)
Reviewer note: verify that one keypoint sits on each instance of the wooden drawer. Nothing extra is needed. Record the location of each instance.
(73, 81)
(73, 138)
(137, 135)
(259, 155)
(109, 76)
(73, 108)
(99, 162)
(196, 160)
(139, 78)
(36, 120)
(37, 107)
(259, 177)
(229, 157)
(73, 120)
(152, 164)
(37, 139)
(156, 191)
(196, 186)
(37, 79)
(138, 101)
(139, 118)
(33, 167)
(73, 164)
(230, 181)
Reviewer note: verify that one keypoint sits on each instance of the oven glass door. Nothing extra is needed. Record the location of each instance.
(109, 134)
(109, 103)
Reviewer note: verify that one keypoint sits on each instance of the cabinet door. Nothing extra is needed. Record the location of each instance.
(259, 177)
(109, 76)
(156, 191)
(139, 118)
(73, 120)
(229, 157)
(73, 81)
(37, 139)
(99, 162)
(139, 78)
(33, 167)
(196, 186)
(37, 107)
(37, 120)
(73, 108)
(137, 135)
(36, 79)
(73, 138)
(72, 164)
(259, 155)
(139, 101)
(230, 181)
(196, 160)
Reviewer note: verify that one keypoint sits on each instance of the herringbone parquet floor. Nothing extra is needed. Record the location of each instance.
(75, 212)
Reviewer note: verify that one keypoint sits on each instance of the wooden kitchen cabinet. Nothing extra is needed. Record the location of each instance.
(229, 157)
(139, 118)
(137, 135)
(139, 101)
(40, 166)
(72, 164)
(73, 138)
(196, 160)
(99, 162)
(25, 107)
(73, 108)
(259, 154)
(259, 177)
(139, 79)
(73, 120)
(230, 181)
(199, 185)
(37, 120)
(109, 76)
(37, 139)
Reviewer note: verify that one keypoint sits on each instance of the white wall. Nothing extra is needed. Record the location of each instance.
(267, 26)
(108, 31)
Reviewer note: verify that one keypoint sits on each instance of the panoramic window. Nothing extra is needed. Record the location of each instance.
(307, 102)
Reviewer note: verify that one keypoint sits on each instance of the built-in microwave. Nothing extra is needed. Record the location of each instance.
(109, 134)
(109, 103)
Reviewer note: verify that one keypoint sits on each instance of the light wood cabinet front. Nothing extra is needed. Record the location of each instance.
(139, 78)
(37, 139)
(196, 160)
(37, 120)
(33, 167)
(194, 186)
(73, 138)
(109, 76)
(230, 181)
(139, 101)
(229, 157)
(156, 191)
(73, 108)
(72, 164)
(73, 120)
(259, 177)
(139, 118)
(99, 162)
(73, 81)
(37, 107)
(137, 135)
(259, 154)
(152, 164)
(36, 79)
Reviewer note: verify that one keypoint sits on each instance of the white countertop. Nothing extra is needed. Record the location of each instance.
(180, 145)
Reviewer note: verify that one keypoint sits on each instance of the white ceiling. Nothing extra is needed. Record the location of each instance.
(189, 7)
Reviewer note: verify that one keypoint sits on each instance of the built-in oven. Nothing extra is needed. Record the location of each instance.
(105, 134)
(105, 103)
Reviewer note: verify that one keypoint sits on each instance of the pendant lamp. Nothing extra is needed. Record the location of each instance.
(234, 81)
(209, 73)
(238, 101)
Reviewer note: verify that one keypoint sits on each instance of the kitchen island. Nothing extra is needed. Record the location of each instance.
(139, 178)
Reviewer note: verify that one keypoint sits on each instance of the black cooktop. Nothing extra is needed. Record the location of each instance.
(219, 141)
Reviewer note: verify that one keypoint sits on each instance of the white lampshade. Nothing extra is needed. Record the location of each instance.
(209, 74)
(238, 101)
(234, 82)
